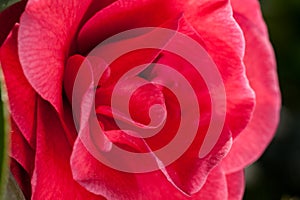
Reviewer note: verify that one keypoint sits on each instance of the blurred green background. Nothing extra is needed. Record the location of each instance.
(276, 175)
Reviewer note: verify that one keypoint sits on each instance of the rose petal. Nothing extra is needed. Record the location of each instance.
(70, 75)
(52, 178)
(191, 181)
(8, 18)
(120, 16)
(261, 72)
(146, 186)
(211, 23)
(215, 187)
(229, 62)
(94, 7)
(200, 168)
(100, 179)
(138, 105)
(235, 185)
(251, 10)
(49, 27)
(188, 181)
(22, 98)
(80, 88)
(20, 150)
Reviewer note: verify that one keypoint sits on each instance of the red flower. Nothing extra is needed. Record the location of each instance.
(45, 54)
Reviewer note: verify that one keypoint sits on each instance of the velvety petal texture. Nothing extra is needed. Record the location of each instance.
(61, 115)
(48, 26)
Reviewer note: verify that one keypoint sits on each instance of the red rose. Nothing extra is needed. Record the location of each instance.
(69, 120)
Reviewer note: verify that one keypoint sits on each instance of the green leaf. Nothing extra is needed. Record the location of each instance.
(13, 191)
(4, 129)
(6, 3)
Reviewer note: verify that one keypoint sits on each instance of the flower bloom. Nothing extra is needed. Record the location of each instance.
(46, 44)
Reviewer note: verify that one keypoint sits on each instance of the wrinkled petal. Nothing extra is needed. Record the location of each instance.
(261, 72)
(47, 29)
(22, 97)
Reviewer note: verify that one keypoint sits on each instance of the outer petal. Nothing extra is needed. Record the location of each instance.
(251, 10)
(52, 178)
(235, 185)
(213, 24)
(8, 18)
(102, 180)
(119, 185)
(261, 72)
(46, 31)
(215, 187)
(22, 160)
(22, 98)
(20, 150)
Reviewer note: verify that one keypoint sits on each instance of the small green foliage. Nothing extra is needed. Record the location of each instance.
(6, 3)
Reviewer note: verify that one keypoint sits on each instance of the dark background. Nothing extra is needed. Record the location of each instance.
(276, 176)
